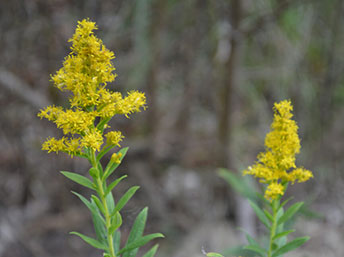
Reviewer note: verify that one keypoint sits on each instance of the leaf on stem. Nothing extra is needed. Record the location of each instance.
(286, 201)
(116, 223)
(110, 202)
(98, 203)
(114, 184)
(136, 231)
(79, 179)
(91, 241)
(282, 234)
(239, 184)
(152, 251)
(255, 248)
(140, 242)
(290, 246)
(124, 199)
(214, 255)
(117, 241)
(260, 214)
(290, 212)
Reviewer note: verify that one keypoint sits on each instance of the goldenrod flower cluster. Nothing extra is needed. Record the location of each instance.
(85, 73)
(276, 166)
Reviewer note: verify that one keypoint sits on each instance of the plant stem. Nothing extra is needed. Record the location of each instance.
(273, 226)
(106, 208)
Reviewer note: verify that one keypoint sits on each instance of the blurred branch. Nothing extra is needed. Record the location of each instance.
(18, 87)
(264, 19)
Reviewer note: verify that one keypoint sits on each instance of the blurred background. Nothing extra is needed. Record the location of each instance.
(211, 70)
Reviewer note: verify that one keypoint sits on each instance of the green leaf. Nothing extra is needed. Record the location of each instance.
(214, 255)
(152, 251)
(99, 227)
(114, 184)
(284, 233)
(239, 184)
(116, 223)
(79, 179)
(110, 168)
(91, 241)
(290, 246)
(286, 201)
(249, 238)
(125, 198)
(117, 241)
(103, 152)
(136, 231)
(268, 215)
(255, 248)
(140, 242)
(260, 214)
(98, 203)
(290, 212)
(110, 202)
(98, 220)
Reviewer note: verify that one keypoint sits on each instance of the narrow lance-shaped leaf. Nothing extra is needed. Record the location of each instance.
(214, 255)
(116, 223)
(110, 202)
(114, 184)
(98, 220)
(140, 242)
(268, 215)
(79, 179)
(290, 246)
(257, 249)
(117, 241)
(284, 233)
(91, 241)
(98, 203)
(136, 231)
(290, 212)
(260, 214)
(286, 201)
(239, 184)
(152, 251)
(125, 198)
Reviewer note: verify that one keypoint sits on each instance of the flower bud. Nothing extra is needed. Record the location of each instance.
(116, 158)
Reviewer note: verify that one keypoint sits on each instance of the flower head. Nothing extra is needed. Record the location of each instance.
(85, 74)
(276, 166)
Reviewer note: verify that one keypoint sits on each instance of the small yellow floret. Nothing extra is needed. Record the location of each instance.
(273, 191)
(114, 137)
(93, 140)
(116, 158)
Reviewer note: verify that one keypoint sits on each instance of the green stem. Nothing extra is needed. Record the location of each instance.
(274, 206)
(106, 208)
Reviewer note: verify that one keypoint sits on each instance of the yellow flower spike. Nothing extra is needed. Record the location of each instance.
(85, 74)
(277, 165)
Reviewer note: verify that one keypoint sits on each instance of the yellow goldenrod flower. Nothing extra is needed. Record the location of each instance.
(114, 137)
(93, 140)
(276, 166)
(85, 74)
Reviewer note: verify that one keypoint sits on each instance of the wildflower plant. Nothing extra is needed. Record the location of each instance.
(276, 169)
(85, 74)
